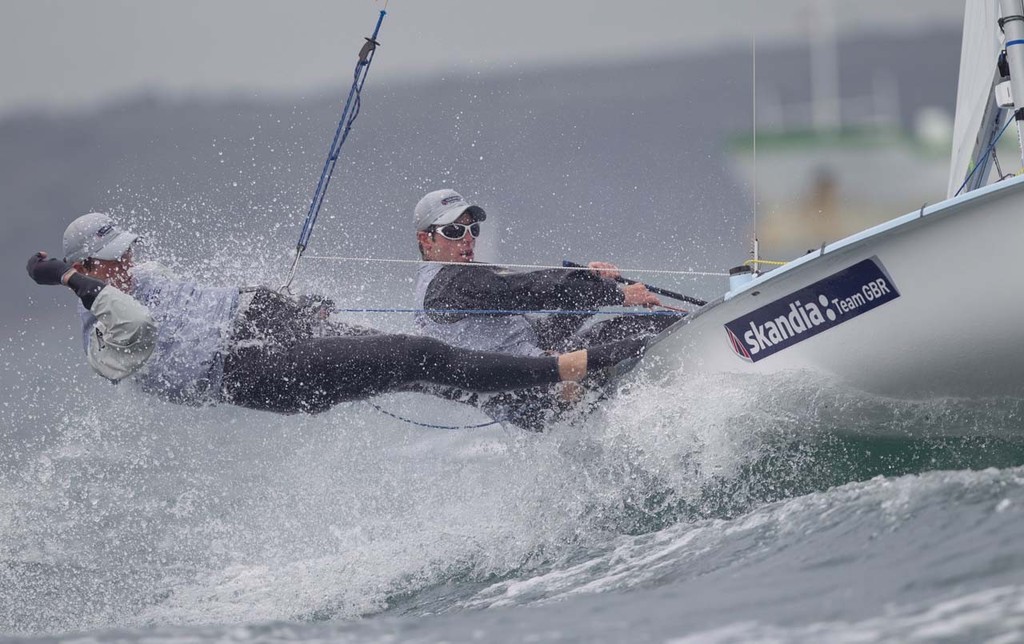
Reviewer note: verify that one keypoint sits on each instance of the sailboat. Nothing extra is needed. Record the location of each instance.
(921, 306)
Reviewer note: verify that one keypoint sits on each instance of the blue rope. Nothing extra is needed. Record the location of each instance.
(512, 312)
(344, 126)
(981, 161)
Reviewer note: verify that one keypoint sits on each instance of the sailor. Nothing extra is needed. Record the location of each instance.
(488, 308)
(450, 288)
(195, 344)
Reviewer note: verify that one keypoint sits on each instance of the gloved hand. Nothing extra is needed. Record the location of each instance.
(46, 270)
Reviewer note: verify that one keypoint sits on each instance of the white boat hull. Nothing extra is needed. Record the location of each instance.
(953, 325)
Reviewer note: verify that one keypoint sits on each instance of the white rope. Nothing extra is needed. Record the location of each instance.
(503, 265)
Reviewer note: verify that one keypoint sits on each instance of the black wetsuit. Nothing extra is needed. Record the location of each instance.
(283, 357)
(465, 287)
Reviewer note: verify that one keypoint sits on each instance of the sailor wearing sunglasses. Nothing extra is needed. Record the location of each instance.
(453, 293)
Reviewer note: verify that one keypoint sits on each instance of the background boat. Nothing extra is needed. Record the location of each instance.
(822, 163)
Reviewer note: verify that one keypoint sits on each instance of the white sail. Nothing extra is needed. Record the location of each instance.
(978, 57)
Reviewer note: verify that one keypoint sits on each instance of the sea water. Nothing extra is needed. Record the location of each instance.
(684, 509)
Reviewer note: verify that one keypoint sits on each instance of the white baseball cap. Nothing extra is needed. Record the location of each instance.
(442, 207)
(95, 236)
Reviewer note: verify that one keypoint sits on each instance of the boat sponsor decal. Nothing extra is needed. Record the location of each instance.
(825, 304)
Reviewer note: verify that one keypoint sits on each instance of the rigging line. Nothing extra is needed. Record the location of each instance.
(989, 151)
(537, 266)
(353, 103)
(766, 262)
(672, 312)
(429, 425)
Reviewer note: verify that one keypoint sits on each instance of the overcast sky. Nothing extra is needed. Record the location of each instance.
(71, 54)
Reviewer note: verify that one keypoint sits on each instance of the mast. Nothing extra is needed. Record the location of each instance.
(1012, 23)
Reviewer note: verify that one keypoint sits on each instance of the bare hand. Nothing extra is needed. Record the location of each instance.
(604, 270)
(638, 295)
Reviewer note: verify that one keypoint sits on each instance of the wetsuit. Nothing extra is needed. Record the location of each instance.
(283, 358)
(463, 288)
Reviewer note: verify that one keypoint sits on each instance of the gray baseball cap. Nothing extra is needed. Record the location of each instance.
(442, 207)
(95, 236)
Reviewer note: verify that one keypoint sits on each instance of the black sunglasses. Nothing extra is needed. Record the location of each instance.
(456, 232)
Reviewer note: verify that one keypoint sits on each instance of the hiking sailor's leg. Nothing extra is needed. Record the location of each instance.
(315, 374)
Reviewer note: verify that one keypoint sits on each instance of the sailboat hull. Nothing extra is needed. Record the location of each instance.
(926, 305)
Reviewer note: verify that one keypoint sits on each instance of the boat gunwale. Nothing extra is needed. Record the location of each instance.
(946, 208)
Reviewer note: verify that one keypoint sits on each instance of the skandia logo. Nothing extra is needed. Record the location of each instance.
(825, 304)
(104, 230)
(801, 319)
(451, 199)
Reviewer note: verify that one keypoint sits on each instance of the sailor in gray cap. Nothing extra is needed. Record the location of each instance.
(491, 308)
(450, 283)
(96, 236)
(195, 344)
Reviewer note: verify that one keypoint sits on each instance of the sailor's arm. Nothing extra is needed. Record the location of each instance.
(468, 287)
(124, 335)
(564, 290)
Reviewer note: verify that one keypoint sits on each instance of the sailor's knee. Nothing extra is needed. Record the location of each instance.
(424, 350)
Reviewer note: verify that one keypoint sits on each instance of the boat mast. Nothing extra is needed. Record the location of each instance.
(1012, 24)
